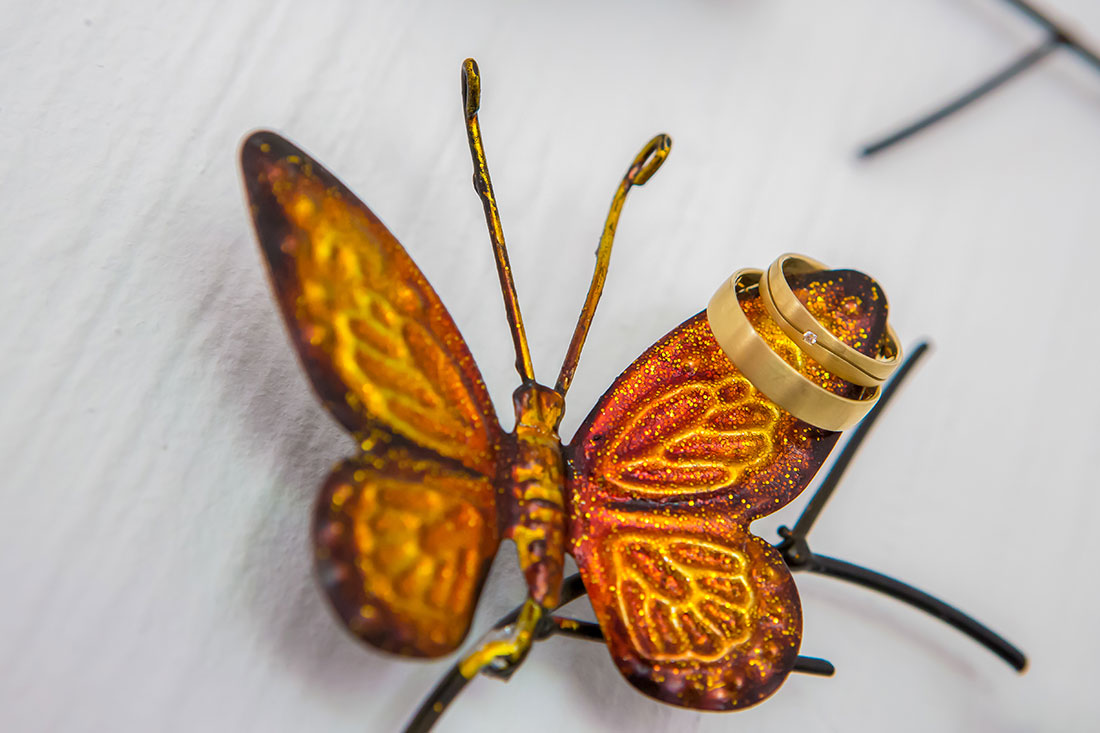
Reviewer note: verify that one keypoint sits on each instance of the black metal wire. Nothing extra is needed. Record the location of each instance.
(577, 629)
(1068, 39)
(442, 694)
(999, 79)
(589, 631)
(454, 681)
(815, 666)
(1058, 36)
(798, 556)
(994, 642)
(840, 465)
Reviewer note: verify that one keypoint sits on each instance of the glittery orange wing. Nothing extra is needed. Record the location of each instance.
(380, 348)
(406, 530)
(665, 477)
(404, 540)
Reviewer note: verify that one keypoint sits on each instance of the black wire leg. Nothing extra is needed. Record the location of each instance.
(577, 629)
(1058, 36)
(452, 683)
(442, 694)
(589, 631)
(798, 556)
(1017, 67)
(1051, 26)
(815, 666)
(917, 598)
(795, 539)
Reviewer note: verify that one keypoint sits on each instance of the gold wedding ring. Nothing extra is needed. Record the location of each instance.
(768, 371)
(806, 331)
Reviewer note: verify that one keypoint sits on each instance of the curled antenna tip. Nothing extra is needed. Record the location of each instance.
(471, 88)
(649, 159)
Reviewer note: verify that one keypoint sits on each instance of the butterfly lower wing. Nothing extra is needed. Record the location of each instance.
(379, 346)
(665, 476)
(403, 542)
(696, 614)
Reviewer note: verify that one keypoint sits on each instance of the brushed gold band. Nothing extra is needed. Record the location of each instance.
(768, 372)
(811, 336)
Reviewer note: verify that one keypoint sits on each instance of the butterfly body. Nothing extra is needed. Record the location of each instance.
(535, 490)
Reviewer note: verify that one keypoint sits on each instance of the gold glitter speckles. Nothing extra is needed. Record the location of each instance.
(683, 597)
(402, 549)
(665, 476)
(378, 344)
(689, 439)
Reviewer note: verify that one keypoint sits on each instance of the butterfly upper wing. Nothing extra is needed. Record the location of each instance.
(406, 530)
(677, 459)
(374, 337)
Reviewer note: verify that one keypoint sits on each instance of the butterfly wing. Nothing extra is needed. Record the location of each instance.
(379, 346)
(665, 477)
(403, 541)
(405, 531)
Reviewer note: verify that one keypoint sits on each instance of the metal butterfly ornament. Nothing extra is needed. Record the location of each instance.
(724, 420)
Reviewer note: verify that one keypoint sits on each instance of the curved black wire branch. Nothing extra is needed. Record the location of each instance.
(798, 556)
(828, 485)
(966, 99)
(589, 631)
(452, 683)
(991, 640)
(1057, 36)
(1053, 27)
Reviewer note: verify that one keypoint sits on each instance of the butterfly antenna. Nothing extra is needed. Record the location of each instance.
(471, 100)
(645, 164)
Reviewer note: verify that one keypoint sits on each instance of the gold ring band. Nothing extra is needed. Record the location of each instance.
(768, 372)
(811, 336)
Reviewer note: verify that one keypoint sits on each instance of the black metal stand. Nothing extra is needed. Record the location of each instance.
(1058, 36)
(454, 681)
(798, 556)
(591, 632)
(917, 598)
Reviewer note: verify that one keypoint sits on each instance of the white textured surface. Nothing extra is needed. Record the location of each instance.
(161, 447)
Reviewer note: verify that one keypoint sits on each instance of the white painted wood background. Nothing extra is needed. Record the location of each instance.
(161, 448)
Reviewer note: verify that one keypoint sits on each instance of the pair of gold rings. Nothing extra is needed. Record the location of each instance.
(770, 373)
